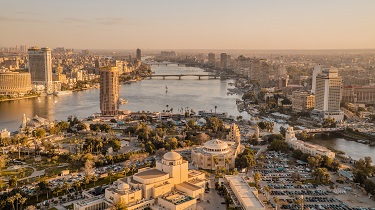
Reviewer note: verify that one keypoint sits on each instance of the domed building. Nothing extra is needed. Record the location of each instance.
(170, 183)
(224, 151)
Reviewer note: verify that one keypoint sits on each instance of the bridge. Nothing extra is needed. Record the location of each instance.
(162, 64)
(179, 76)
(321, 130)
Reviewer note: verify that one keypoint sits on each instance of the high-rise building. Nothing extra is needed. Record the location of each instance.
(223, 60)
(40, 67)
(211, 58)
(317, 70)
(328, 95)
(109, 91)
(139, 54)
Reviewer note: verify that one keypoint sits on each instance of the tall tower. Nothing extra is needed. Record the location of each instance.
(317, 70)
(223, 60)
(109, 91)
(328, 94)
(40, 67)
(139, 54)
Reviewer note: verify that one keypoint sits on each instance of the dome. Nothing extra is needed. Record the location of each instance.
(216, 145)
(123, 186)
(172, 156)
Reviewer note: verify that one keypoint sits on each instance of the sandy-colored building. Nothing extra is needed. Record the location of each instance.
(244, 196)
(225, 152)
(14, 83)
(109, 91)
(234, 133)
(302, 101)
(311, 149)
(170, 184)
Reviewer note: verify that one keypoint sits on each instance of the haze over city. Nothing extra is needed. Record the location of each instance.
(187, 105)
(290, 24)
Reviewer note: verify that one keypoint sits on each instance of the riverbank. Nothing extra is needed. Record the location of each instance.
(20, 98)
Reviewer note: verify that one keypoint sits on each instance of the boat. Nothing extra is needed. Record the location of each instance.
(123, 101)
(63, 93)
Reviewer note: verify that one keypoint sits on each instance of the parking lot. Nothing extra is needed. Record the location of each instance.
(279, 174)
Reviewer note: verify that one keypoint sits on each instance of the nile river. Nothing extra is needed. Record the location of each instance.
(151, 95)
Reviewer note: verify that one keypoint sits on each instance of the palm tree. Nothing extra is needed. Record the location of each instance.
(132, 168)
(67, 186)
(110, 174)
(77, 184)
(94, 178)
(276, 199)
(22, 201)
(215, 109)
(268, 190)
(11, 200)
(17, 196)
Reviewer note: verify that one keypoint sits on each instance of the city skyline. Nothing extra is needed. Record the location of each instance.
(255, 25)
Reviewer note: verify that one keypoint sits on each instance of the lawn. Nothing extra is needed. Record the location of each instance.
(19, 173)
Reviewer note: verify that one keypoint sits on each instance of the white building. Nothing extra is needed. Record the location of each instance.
(170, 184)
(328, 95)
(225, 152)
(311, 149)
(317, 70)
(246, 197)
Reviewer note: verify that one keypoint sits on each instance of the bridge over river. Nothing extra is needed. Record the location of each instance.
(179, 76)
(321, 130)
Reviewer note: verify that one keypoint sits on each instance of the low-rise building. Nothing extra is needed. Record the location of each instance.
(302, 101)
(170, 183)
(15, 83)
(225, 152)
(311, 149)
(244, 196)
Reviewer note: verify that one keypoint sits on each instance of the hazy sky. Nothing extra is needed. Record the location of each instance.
(189, 24)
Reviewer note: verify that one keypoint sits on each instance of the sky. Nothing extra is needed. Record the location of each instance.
(189, 24)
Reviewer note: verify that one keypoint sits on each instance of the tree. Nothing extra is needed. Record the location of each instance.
(11, 200)
(201, 138)
(89, 168)
(278, 145)
(3, 162)
(276, 199)
(282, 131)
(268, 190)
(329, 123)
(257, 177)
(172, 143)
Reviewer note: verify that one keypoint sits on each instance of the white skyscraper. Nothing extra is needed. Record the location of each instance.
(328, 95)
(40, 67)
(317, 70)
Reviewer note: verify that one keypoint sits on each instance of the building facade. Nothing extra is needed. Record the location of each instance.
(40, 67)
(359, 94)
(311, 149)
(302, 101)
(139, 54)
(12, 83)
(170, 183)
(328, 95)
(109, 91)
(224, 152)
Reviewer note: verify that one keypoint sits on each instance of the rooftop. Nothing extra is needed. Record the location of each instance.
(150, 174)
(244, 192)
(189, 186)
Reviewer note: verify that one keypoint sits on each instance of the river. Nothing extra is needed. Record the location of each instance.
(151, 95)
